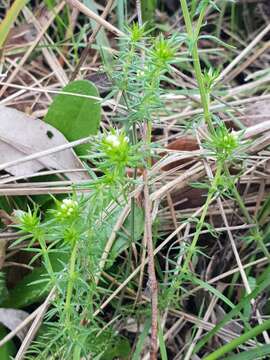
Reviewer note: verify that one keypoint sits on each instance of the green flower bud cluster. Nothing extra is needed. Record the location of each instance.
(67, 209)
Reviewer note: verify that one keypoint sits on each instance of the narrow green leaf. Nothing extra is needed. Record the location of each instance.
(101, 38)
(254, 354)
(162, 345)
(264, 211)
(257, 330)
(9, 19)
(122, 240)
(141, 341)
(213, 290)
(262, 283)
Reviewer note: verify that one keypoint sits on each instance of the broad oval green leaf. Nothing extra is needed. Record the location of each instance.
(31, 288)
(76, 116)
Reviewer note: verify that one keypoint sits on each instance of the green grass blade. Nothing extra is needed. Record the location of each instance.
(263, 283)
(257, 330)
(254, 354)
(162, 345)
(101, 38)
(121, 18)
(8, 350)
(141, 341)
(213, 290)
(9, 19)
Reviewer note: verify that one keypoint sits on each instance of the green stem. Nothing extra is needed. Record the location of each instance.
(132, 229)
(193, 37)
(71, 279)
(218, 354)
(200, 224)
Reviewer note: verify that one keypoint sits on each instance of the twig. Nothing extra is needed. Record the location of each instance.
(86, 11)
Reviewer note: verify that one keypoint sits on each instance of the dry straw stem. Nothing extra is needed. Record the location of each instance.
(244, 53)
(48, 91)
(216, 107)
(99, 19)
(48, 53)
(109, 244)
(206, 317)
(248, 62)
(91, 40)
(45, 152)
(57, 9)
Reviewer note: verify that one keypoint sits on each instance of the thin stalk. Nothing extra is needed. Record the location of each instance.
(218, 354)
(132, 206)
(132, 209)
(200, 224)
(193, 37)
(9, 19)
(72, 265)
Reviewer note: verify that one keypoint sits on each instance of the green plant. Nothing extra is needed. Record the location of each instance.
(143, 64)
(240, 340)
(9, 19)
(91, 243)
(73, 229)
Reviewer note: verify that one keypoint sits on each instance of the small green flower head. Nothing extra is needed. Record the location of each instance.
(116, 146)
(163, 52)
(209, 78)
(136, 33)
(28, 221)
(67, 209)
(229, 142)
(224, 143)
(71, 236)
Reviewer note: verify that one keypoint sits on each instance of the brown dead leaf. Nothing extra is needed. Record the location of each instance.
(186, 143)
(22, 135)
